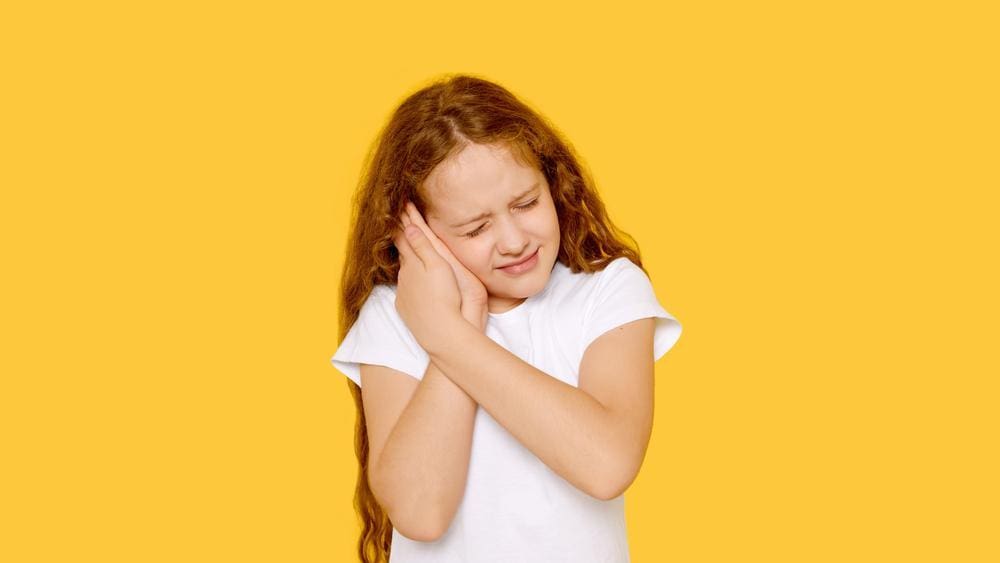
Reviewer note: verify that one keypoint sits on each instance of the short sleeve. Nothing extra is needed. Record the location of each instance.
(380, 337)
(623, 294)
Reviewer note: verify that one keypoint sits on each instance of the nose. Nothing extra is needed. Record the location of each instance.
(511, 239)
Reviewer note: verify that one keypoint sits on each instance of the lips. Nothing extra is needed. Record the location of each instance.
(526, 258)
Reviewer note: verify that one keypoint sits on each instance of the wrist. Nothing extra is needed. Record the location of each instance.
(476, 316)
(451, 330)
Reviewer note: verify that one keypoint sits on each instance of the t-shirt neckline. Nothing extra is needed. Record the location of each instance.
(517, 310)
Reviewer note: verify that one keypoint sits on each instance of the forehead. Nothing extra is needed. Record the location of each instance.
(476, 177)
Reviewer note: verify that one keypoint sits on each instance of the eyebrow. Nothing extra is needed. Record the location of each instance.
(485, 215)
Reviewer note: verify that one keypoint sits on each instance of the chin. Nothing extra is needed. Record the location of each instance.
(528, 285)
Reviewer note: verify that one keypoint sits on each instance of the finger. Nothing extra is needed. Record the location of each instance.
(406, 253)
(403, 222)
(414, 214)
(398, 233)
(413, 217)
(419, 245)
(417, 219)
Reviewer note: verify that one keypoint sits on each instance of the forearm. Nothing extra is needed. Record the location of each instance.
(565, 427)
(422, 469)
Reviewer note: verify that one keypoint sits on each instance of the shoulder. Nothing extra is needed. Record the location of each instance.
(380, 319)
(617, 267)
(380, 306)
(577, 292)
(566, 283)
(621, 285)
(618, 271)
(382, 293)
(380, 337)
(623, 293)
(564, 276)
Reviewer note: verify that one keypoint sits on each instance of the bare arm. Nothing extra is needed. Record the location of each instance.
(420, 437)
(594, 435)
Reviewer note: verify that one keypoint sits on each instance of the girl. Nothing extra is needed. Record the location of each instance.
(501, 340)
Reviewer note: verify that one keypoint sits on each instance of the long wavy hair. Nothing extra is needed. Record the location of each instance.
(428, 126)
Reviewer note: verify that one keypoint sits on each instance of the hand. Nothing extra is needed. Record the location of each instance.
(474, 296)
(427, 295)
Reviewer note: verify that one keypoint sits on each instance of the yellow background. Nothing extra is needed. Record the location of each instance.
(812, 186)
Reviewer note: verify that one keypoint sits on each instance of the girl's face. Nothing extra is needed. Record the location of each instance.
(491, 211)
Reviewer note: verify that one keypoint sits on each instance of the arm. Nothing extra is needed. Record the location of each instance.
(419, 459)
(419, 474)
(595, 435)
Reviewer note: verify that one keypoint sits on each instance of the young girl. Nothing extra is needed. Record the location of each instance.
(501, 341)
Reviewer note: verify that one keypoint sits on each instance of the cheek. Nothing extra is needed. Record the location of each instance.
(473, 255)
(552, 223)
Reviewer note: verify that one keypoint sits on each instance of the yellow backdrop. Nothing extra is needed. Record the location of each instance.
(812, 186)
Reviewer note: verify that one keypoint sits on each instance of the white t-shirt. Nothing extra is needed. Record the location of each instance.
(515, 508)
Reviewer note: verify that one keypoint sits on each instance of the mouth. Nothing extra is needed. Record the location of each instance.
(526, 258)
(514, 266)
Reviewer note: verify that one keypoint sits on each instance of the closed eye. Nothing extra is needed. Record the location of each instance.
(479, 230)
